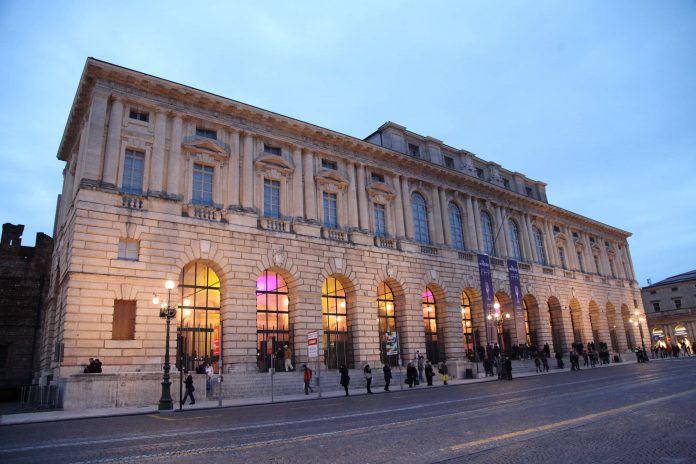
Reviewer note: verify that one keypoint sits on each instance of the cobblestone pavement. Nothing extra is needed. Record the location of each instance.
(639, 413)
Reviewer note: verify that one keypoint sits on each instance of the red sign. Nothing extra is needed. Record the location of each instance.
(216, 340)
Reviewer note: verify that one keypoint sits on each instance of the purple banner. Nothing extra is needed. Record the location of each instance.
(515, 288)
(484, 265)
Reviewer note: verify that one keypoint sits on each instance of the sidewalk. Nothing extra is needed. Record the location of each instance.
(58, 415)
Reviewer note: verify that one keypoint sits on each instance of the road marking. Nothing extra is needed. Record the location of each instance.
(567, 422)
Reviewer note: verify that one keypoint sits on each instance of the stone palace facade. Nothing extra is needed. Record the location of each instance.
(272, 228)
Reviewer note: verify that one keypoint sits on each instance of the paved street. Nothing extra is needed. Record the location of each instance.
(634, 413)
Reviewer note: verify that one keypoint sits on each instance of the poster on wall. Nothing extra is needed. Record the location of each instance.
(391, 343)
(484, 265)
(216, 340)
(515, 287)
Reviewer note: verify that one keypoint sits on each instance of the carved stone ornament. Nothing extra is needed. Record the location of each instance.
(391, 272)
(338, 262)
(205, 246)
(433, 274)
(279, 258)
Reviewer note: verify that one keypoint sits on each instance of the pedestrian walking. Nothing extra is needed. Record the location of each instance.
(411, 375)
(189, 389)
(508, 367)
(367, 371)
(544, 362)
(547, 350)
(287, 356)
(307, 377)
(444, 371)
(537, 364)
(429, 373)
(420, 362)
(559, 360)
(387, 376)
(345, 378)
(208, 377)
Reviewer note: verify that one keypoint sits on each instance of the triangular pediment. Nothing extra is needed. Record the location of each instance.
(329, 175)
(205, 144)
(275, 161)
(381, 188)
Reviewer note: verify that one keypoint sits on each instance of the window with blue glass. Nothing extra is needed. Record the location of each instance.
(330, 211)
(271, 198)
(380, 222)
(202, 191)
(133, 172)
(420, 218)
(487, 232)
(455, 217)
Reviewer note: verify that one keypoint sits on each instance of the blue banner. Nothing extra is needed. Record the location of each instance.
(484, 265)
(515, 287)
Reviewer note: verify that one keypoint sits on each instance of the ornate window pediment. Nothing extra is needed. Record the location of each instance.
(331, 178)
(206, 145)
(273, 163)
(380, 190)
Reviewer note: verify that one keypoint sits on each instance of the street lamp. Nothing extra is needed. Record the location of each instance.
(638, 322)
(499, 319)
(166, 312)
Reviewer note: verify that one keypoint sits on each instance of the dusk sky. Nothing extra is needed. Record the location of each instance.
(595, 98)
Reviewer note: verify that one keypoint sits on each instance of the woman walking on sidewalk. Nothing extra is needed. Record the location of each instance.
(345, 378)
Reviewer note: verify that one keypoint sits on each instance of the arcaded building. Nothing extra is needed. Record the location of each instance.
(272, 228)
(670, 307)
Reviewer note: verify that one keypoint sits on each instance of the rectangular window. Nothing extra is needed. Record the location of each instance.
(328, 164)
(582, 265)
(575, 235)
(128, 249)
(596, 263)
(139, 115)
(380, 223)
(479, 173)
(674, 289)
(652, 292)
(506, 183)
(272, 150)
(377, 177)
(271, 198)
(561, 256)
(202, 191)
(207, 133)
(414, 150)
(528, 191)
(656, 306)
(133, 167)
(677, 303)
(123, 327)
(449, 162)
(592, 239)
(330, 212)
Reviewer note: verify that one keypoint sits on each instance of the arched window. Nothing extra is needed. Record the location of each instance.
(420, 218)
(455, 219)
(272, 320)
(338, 347)
(539, 242)
(432, 346)
(199, 317)
(487, 231)
(514, 233)
(387, 325)
(468, 326)
(527, 332)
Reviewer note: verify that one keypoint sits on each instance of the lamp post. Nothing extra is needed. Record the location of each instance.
(166, 312)
(499, 319)
(638, 322)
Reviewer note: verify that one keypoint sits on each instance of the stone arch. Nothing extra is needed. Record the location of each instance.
(477, 315)
(558, 328)
(616, 332)
(534, 321)
(399, 312)
(435, 345)
(333, 324)
(577, 320)
(595, 322)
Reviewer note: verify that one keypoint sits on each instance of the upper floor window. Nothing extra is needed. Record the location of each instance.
(420, 218)
(376, 177)
(677, 303)
(514, 233)
(506, 183)
(561, 256)
(455, 217)
(656, 306)
(575, 235)
(202, 189)
(674, 289)
(271, 198)
(128, 249)
(272, 150)
(380, 222)
(596, 263)
(580, 262)
(479, 173)
(612, 267)
(528, 191)
(539, 243)
(328, 164)
(139, 115)
(330, 210)
(449, 162)
(414, 150)
(133, 172)
(207, 133)
(487, 233)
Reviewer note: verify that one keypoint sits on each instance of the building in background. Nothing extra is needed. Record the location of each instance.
(670, 307)
(272, 228)
(24, 275)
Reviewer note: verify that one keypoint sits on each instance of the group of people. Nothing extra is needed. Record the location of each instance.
(94, 366)
(670, 351)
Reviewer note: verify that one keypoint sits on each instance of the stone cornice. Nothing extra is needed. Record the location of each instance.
(221, 110)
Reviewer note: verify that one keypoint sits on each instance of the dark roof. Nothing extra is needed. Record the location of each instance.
(686, 276)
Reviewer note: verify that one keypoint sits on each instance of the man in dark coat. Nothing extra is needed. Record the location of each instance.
(387, 376)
